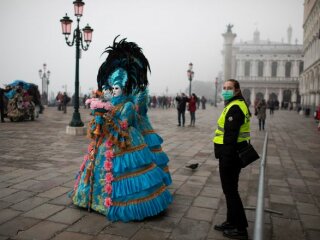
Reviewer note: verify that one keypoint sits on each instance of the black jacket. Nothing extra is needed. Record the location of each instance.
(227, 153)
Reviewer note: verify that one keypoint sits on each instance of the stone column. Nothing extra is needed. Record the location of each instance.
(252, 96)
(266, 94)
(254, 68)
(267, 72)
(238, 68)
(294, 98)
(280, 97)
(228, 42)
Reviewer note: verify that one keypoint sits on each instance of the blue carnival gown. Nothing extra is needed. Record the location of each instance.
(120, 177)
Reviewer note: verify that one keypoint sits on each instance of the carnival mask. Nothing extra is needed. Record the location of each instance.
(116, 90)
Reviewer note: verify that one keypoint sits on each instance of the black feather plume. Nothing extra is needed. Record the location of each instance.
(129, 56)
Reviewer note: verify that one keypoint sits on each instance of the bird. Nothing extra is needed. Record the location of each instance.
(193, 166)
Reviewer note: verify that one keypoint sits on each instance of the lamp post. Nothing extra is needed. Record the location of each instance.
(78, 38)
(44, 76)
(190, 74)
(215, 95)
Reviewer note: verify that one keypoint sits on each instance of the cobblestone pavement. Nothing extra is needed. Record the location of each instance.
(38, 162)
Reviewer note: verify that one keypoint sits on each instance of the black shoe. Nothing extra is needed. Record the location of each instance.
(179, 125)
(223, 226)
(236, 234)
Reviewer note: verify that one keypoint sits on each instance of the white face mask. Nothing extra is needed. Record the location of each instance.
(116, 90)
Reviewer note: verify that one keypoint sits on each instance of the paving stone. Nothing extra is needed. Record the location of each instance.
(206, 202)
(18, 196)
(197, 180)
(306, 208)
(123, 229)
(310, 222)
(286, 199)
(198, 213)
(54, 192)
(4, 204)
(29, 203)
(62, 200)
(90, 224)
(147, 234)
(41, 231)
(189, 189)
(313, 235)
(67, 216)
(7, 214)
(72, 236)
(293, 229)
(43, 211)
(164, 224)
(11, 228)
(6, 191)
(109, 237)
(189, 229)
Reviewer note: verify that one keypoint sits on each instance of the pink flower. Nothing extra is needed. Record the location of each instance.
(109, 177)
(88, 101)
(82, 165)
(108, 188)
(109, 154)
(108, 202)
(124, 125)
(109, 144)
(107, 165)
(90, 148)
(107, 105)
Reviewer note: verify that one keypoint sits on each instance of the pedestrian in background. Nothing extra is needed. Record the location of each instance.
(2, 104)
(181, 107)
(192, 107)
(261, 113)
(232, 134)
(65, 100)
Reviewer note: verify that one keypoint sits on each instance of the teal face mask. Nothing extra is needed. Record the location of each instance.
(227, 94)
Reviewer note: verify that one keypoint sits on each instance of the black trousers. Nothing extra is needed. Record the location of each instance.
(181, 116)
(235, 212)
(192, 118)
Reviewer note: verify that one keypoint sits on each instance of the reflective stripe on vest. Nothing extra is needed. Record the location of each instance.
(244, 133)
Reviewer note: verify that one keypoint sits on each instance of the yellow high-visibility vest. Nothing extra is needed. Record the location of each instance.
(244, 133)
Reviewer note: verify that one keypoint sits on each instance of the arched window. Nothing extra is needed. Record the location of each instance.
(260, 69)
(274, 67)
(288, 69)
(247, 69)
(300, 67)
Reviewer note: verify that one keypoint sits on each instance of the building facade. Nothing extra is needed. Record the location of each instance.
(310, 79)
(268, 70)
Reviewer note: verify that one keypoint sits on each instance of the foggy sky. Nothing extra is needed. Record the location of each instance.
(172, 33)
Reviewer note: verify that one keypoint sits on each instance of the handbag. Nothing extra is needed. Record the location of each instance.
(248, 155)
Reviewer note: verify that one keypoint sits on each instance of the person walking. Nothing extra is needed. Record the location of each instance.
(65, 101)
(271, 106)
(181, 107)
(261, 113)
(232, 134)
(192, 109)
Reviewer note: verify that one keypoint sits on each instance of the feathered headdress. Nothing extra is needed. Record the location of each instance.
(126, 66)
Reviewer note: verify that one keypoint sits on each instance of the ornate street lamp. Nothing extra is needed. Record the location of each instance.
(44, 76)
(77, 39)
(190, 74)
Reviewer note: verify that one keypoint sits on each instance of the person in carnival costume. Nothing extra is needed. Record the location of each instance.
(120, 176)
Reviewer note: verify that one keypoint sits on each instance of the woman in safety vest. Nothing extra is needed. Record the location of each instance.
(232, 134)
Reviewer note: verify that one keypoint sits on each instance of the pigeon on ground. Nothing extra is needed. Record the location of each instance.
(193, 166)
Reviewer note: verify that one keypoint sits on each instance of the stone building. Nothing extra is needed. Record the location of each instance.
(310, 79)
(265, 69)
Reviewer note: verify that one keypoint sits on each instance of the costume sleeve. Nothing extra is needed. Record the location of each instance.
(234, 120)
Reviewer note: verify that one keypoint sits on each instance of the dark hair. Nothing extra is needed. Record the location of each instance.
(236, 85)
